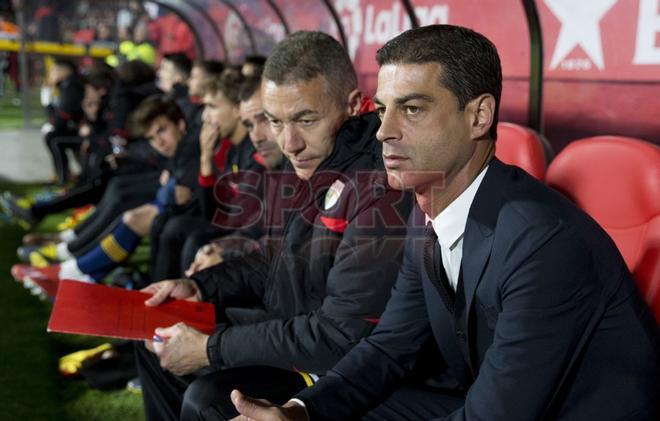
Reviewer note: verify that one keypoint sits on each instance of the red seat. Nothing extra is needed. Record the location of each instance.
(520, 146)
(616, 180)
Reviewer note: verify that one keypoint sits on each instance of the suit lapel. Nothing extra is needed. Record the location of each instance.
(479, 233)
(477, 246)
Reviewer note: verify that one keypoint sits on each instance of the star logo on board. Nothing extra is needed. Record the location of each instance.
(580, 26)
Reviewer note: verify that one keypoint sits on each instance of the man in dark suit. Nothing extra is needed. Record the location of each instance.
(530, 307)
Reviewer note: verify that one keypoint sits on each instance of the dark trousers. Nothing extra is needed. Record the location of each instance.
(416, 403)
(58, 145)
(85, 194)
(123, 193)
(205, 396)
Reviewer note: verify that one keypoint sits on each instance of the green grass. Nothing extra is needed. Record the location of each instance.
(11, 110)
(30, 386)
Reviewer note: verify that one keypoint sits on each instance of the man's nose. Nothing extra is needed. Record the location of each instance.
(261, 133)
(389, 127)
(292, 142)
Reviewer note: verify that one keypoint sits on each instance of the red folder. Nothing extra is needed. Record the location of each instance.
(98, 310)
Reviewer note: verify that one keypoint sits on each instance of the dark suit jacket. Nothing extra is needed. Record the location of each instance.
(554, 325)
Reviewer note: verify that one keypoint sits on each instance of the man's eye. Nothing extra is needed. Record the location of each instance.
(275, 124)
(380, 111)
(412, 110)
(307, 122)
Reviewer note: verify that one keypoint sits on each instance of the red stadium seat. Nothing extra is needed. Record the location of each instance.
(617, 181)
(520, 146)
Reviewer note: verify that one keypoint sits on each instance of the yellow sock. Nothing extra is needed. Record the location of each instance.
(38, 261)
(49, 251)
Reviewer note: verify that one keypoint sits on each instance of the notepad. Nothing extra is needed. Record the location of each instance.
(99, 310)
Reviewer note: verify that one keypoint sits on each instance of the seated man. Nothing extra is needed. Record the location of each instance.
(162, 122)
(173, 78)
(334, 246)
(530, 305)
(240, 242)
(222, 124)
(130, 168)
(64, 115)
(203, 72)
(123, 192)
(98, 82)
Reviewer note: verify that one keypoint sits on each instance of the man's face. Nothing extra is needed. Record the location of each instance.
(93, 94)
(167, 76)
(221, 113)
(304, 121)
(254, 119)
(164, 135)
(426, 138)
(198, 79)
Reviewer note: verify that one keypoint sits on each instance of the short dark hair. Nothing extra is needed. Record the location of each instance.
(211, 67)
(303, 55)
(257, 60)
(229, 84)
(469, 61)
(135, 72)
(101, 76)
(150, 109)
(249, 87)
(67, 63)
(182, 64)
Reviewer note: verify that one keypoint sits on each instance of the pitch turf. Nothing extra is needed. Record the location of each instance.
(11, 110)
(30, 386)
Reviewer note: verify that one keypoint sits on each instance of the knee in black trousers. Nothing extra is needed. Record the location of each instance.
(208, 397)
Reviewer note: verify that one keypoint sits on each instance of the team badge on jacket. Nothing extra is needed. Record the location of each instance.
(332, 195)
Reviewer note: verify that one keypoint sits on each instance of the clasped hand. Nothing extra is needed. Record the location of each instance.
(181, 348)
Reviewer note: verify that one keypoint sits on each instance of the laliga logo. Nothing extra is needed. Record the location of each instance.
(378, 28)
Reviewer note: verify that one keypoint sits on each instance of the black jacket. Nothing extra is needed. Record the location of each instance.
(190, 109)
(140, 156)
(322, 282)
(184, 165)
(125, 99)
(66, 114)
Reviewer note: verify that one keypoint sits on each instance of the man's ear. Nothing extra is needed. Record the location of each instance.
(182, 125)
(481, 112)
(354, 102)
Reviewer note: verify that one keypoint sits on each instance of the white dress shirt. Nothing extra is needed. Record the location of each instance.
(449, 226)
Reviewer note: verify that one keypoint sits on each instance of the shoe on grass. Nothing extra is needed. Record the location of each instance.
(11, 206)
(70, 365)
(33, 278)
(22, 271)
(41, 239)
(38, 256)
